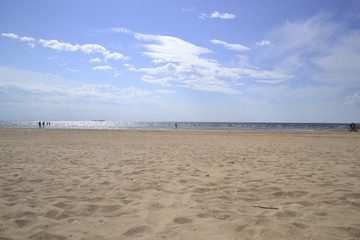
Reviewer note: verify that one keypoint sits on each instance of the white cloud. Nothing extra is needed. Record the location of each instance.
(217, 14)
(10, 35)
(120, 30)
(189, 9)
(168, 69)
(171, 49)
(93, 48)
(262, 74)
(103, 68)
(113, 30)
(203, 16)
(107, 68)
(114, 56)
(62, 46)
(341, 61)
(128, 65)
(236, 47)
(59, 46)
(210, 87)
(184, 66)
(318, 49)
(264, 43)
(95, 60)
(270, 81)
(222, 15)
(299, 41)
(353, 99)
(27, 39)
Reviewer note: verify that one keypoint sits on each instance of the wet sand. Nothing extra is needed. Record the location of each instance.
(138, 184)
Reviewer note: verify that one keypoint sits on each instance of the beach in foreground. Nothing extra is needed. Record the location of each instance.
(138, 184)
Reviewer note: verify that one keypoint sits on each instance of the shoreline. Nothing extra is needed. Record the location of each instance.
(238, 126)
(178, 130)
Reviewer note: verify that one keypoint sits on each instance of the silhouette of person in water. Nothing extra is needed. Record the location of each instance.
(44, 124)
(39, 124)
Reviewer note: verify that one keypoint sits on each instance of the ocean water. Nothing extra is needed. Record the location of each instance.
(244, 126)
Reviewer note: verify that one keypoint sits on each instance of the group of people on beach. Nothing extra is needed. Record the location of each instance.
(43, 124)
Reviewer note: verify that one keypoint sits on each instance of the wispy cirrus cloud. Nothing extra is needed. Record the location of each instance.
(120, 30)
(323, 55)
(236, 47)
(114, 30)
(183, 64)
(324, 50)
(354, 99)
(217, 14)
(171, 49)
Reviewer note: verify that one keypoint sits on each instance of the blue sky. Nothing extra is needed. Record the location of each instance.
(168, 60)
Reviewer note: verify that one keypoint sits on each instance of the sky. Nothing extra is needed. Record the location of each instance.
(180, 60)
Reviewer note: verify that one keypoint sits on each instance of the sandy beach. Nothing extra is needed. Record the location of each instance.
(138, 184)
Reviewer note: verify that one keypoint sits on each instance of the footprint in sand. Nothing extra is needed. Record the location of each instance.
(56, 214)
(154, 206)
(291, 194)
(22, 222)
(182, 220)
(137, 230)
(300, 225)
(110, 208)
(45, 235)
(286, 214)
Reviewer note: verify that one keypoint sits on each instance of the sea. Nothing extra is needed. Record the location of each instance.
(241, 126)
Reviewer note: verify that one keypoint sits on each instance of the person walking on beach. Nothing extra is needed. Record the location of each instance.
(39, 124)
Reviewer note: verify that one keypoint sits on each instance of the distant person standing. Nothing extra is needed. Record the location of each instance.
(39, 124)
(43, 124)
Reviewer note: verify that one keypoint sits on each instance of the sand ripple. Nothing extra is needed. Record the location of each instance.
(104, 184)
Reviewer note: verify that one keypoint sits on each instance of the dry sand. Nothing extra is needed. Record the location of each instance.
(120, 184)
